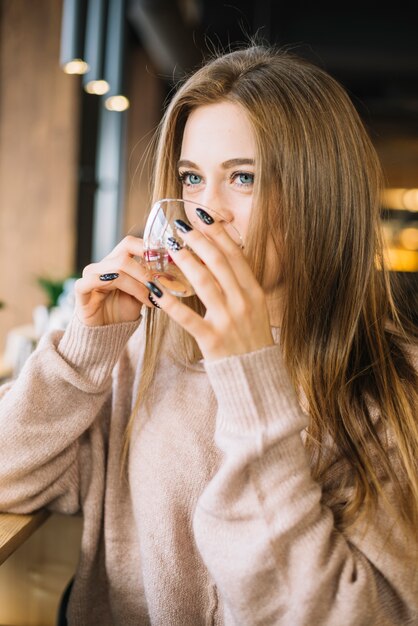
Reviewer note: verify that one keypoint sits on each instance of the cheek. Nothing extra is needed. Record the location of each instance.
(242, 214)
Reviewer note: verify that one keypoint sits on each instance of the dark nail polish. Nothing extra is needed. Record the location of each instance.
(155, 290)
(173, 244)
(151, 299)
(110, 276)
(182, 226)
(205, 217)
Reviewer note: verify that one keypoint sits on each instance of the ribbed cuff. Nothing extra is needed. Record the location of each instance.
(93, 351)
(254, 392)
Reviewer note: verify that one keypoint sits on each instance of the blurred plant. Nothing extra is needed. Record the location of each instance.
(53, 289)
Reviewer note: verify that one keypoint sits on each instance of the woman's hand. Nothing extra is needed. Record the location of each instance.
(112, 290)
(236, 319)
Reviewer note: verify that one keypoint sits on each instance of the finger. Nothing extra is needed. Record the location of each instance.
(216, 233)
(84, 288)
(133, 246)
(118, 266)
(206, 284)
(121, 263)
(179, 312)
(220, 265)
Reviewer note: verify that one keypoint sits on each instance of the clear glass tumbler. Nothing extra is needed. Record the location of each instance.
(160, 226)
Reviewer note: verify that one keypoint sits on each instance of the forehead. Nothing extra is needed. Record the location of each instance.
(222, 127)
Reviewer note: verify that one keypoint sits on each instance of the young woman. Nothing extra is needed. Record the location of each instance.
(249, 455)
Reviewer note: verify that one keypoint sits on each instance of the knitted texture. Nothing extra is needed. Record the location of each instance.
(216, 519)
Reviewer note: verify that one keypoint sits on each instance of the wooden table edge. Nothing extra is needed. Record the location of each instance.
(16, 529)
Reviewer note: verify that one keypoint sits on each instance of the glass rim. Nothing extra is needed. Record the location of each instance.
(155, 207)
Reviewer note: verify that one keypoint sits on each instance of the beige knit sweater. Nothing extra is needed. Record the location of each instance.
(218, 521)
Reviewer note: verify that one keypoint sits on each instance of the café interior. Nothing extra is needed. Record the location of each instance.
(83, 86)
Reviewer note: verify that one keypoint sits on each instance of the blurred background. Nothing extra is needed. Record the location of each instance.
(83, 85)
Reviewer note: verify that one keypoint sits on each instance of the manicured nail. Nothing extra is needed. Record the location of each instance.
(182, 226)
(110, 276)
(151, 299)
(155, 290)
(205, 217)
(173, 244)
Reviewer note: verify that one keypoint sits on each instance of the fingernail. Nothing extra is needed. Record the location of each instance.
(205, 217)
(155, 290)
(151, 299)
(110, 276)
(173, 244)
(182, 226)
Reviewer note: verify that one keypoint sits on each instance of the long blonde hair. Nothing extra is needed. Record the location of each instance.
(318, 188)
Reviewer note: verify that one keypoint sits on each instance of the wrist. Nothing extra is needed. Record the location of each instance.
(94, 350)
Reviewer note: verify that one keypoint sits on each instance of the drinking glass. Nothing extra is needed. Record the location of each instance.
(160, 226)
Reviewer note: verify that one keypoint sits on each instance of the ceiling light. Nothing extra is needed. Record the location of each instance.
(72, 38)
(117, 103)
(94, 80)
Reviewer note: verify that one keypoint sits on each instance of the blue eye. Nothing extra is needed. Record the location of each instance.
(246, 179)
(189, 178)
(243, 179)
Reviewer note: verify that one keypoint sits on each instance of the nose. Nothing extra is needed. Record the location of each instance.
(214, 200)
(217, 204)
(226, 214)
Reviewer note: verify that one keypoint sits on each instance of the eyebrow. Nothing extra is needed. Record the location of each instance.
(226, 165)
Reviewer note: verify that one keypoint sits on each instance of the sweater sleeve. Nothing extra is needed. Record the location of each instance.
(263, 531)
(45, 414)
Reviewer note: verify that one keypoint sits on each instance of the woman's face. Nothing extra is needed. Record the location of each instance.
(217, 168)
(217, 162)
